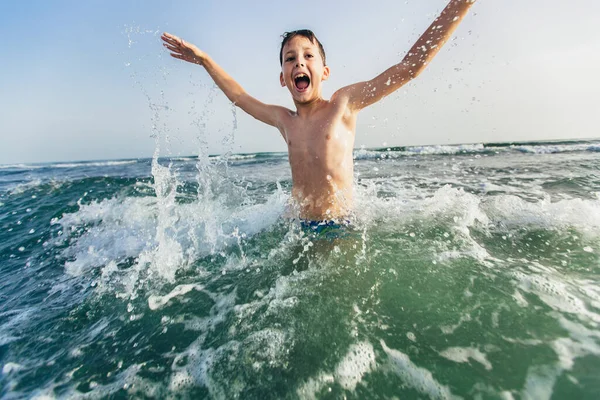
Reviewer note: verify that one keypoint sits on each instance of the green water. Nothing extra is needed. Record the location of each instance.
(471, 275)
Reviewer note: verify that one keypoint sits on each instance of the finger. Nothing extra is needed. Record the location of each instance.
(174, 55)
(172, 48)
(170, 40)
(168, 35)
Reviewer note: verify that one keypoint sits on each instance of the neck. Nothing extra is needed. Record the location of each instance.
(309, 108)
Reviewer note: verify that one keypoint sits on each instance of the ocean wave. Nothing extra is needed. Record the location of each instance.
(462, 210)
(475, 149)
(92, 164)
(446, 150)
(69, 165)
(364, 154)
(118, 229)
(185, 159)
(559, 148)
(395, 152)
(20, 166)
(233, 157)
(511, 212)
(23, 187)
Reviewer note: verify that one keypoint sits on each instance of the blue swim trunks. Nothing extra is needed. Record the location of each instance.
(327, 229)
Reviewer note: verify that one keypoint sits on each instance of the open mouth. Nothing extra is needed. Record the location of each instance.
(301, 81)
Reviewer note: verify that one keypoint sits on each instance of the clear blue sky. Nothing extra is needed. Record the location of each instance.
(72, 87)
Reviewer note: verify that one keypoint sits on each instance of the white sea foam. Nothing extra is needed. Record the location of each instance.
(34, 184)
(564, 297)
(553, 289)
(113, 231)
(460, 211)
(581, 342)
(368, 154)
(10, 367)
(21, 166)
(454, 208)
(160, 235)
(444, 150)
(364, 154)
(6, 339)
(184, 158)
(92, 164)
(447, 205)
(539, 382)
(512, 212)
(358, 361)
(157, 302)
(163, 238)
(16, 321)
(414, 376)
(233, 157)
(254, 340)
(349, 372)
(129, 381)
(23, 187)
(463, 354)
(558, 148)
(198, 365)
(477, 148)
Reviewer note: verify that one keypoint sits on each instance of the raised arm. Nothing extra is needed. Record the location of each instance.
(363, 94)
(269, 114)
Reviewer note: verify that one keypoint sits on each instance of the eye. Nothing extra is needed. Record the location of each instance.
(289, 59)
(309, 56)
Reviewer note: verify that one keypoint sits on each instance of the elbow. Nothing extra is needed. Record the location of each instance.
(238, 99)
(416, 71)
(407, 73)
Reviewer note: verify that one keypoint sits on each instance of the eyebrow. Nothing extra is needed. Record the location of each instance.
(304, 48)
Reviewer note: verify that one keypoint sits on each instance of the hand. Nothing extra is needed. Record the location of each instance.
(182, 50)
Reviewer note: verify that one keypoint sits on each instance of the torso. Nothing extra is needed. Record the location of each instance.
(320, 154)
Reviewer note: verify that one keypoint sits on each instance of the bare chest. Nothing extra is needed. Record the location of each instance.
(320, 140)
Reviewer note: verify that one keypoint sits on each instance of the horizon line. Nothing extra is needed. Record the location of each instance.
(490, 144)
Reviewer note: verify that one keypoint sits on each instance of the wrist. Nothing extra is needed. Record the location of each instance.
(202, 58)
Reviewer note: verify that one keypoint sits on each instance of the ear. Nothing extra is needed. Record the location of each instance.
(326, 72)
(281, 79)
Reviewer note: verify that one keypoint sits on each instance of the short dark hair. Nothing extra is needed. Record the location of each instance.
(306, 33)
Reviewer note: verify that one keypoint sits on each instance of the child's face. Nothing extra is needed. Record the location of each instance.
(303, 70)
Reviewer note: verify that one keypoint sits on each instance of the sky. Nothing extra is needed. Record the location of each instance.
(83, 80)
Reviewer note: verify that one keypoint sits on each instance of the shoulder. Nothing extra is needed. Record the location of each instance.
(285, 119)
(341, 101)
(341, 96)
(282, 114)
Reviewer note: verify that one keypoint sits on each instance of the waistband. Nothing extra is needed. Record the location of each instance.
(305, 223)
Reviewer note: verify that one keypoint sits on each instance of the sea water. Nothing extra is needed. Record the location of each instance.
(468, 272)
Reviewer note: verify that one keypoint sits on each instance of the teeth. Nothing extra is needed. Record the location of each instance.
(300, 76)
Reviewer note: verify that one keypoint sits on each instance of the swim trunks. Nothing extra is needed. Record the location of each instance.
(327, 229)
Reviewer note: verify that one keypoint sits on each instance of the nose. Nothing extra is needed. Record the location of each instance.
(300, 63)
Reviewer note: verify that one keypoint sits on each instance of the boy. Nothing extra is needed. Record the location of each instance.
(320, 133)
